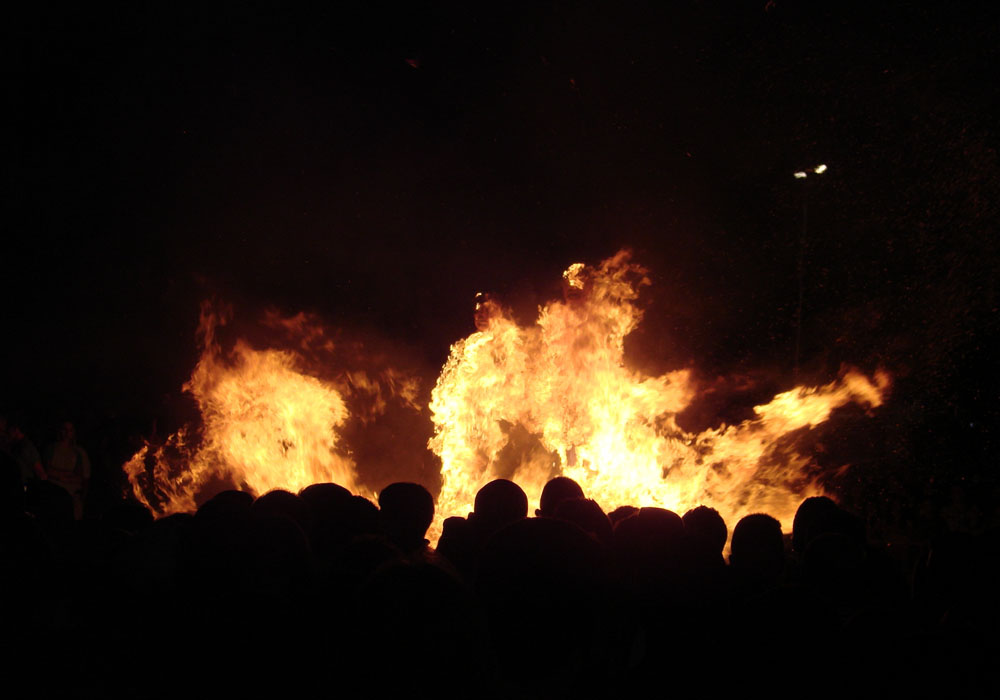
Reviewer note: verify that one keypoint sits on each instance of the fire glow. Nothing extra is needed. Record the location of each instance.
(529, 403)
(268, 422)
(525, 403)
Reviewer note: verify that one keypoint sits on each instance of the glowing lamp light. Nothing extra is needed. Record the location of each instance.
(802, 174)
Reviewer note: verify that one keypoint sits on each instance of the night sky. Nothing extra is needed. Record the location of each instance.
(380, 166)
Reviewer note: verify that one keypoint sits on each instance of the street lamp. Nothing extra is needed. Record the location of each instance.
(801, 263)
(803, 174)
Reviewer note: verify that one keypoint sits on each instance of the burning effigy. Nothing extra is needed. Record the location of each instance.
(522, 402)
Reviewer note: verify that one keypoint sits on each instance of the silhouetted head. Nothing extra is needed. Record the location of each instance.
(758, 548)
(458, 543)
(649, 542)
(557, 490)
(588, 516)
(706, 527)
(364, 516)
(324, 499)
(499, 503)
(406, 512)
(809, 520)
(331, 507)
(663, 523)
(818, 516)
(283, 503)
(620, 513)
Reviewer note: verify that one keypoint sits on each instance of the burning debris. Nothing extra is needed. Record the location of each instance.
(524, 403)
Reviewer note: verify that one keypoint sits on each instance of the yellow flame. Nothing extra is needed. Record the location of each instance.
(266, 425)
(524, 403)
(529, 403)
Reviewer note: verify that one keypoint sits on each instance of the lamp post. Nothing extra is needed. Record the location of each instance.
(801, 262)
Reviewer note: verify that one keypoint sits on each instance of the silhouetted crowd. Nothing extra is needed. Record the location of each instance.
(325, 593)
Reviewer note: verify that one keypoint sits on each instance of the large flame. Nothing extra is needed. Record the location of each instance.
(556, 397)
(266, 421)
(520, 402)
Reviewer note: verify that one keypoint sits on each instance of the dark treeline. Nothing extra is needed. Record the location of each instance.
(326, 593)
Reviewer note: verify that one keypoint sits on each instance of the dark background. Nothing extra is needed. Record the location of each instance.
(379, 166)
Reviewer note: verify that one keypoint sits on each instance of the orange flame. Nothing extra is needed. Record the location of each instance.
(267, 423)
(524, 403)
(529, 403)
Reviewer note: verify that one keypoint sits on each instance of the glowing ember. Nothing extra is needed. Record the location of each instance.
(529, 403)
